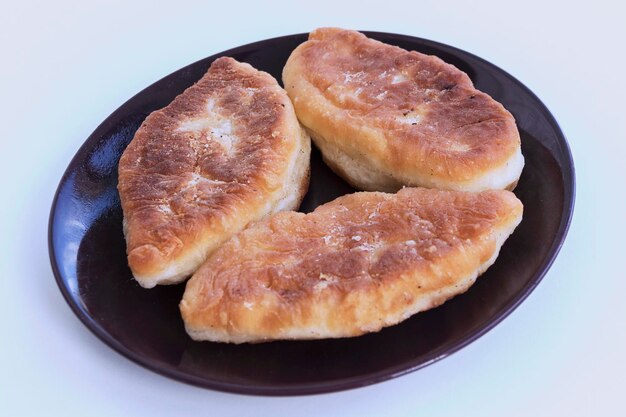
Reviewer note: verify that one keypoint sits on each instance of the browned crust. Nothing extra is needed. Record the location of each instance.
(187, 182)
(353, 265)
(430, 122)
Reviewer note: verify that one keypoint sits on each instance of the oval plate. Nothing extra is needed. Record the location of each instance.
(87, 251)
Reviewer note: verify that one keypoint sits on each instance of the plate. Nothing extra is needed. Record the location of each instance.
(87, 251)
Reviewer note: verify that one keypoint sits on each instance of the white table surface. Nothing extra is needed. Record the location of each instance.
(66, 66)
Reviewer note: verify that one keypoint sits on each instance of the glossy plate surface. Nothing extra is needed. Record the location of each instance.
(87, 251)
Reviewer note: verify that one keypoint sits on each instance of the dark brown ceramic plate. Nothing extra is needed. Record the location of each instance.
(87, 251)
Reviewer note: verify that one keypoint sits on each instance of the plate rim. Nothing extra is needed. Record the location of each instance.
(567, 212)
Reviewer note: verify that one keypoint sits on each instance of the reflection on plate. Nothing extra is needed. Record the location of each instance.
(87, 251)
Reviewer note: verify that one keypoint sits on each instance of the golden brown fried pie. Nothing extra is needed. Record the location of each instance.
(354, 265)
(384, 117)
(227, 151)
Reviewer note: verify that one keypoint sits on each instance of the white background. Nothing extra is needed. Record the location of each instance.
(66, 66)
